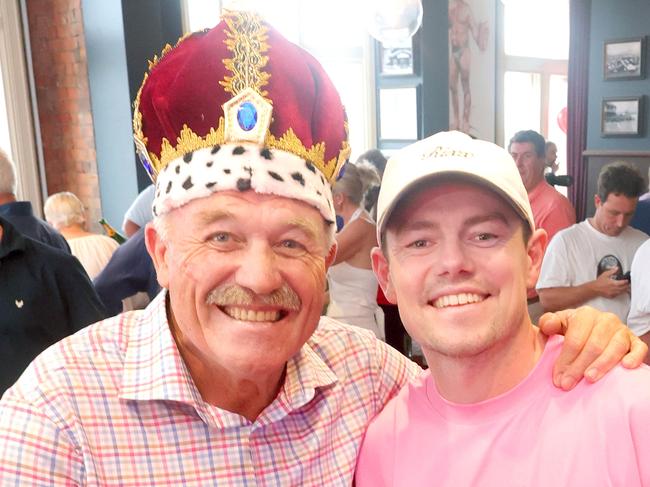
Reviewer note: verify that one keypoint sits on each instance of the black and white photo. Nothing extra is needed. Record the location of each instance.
(624, 59)
(622, 116)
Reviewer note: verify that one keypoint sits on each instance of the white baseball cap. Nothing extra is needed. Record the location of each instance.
(451, 154)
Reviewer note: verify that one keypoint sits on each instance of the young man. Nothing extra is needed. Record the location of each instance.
(230, 376)
(587, 263)
(459, 249)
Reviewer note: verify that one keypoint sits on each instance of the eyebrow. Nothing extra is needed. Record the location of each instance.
(306, 226)
(211, 216)
(302, 224)
(474, 220)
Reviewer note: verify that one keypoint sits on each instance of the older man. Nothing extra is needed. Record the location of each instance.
(552, 210)
(20, 213)
(459, 250)
(228, 377)
(45, 295)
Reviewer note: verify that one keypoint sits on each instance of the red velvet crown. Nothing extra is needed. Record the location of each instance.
(180, 106)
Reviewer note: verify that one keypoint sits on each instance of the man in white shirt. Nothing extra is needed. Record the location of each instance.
(587, 262)
(639, 318)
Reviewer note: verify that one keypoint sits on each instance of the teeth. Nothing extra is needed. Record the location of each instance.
(242, 314)
(456, 299)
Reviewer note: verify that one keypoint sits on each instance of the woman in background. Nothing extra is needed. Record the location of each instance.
(65, 212)
(352, 284)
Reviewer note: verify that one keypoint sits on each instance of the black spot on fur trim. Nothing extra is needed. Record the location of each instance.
(322, 179)
(215, 149)
(296, 176)
(266, 153)
(248, 170)
(188, 157)
(177, 168)
(169, 187)
(319, 193)
(275, 176)
(243, 184)
(209, 163)
(187, 184)
(209, 185)
(310, 166)
(238, 151)
(227, 171)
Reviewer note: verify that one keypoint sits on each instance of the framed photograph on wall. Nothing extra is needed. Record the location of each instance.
(397, 58)
(624, 59)
(622, 116)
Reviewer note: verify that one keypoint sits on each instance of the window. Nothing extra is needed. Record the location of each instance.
(533, 66)
(17, 135)
(339, 42)
(5, 140)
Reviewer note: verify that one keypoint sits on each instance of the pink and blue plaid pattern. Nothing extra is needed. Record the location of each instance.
(115, 405)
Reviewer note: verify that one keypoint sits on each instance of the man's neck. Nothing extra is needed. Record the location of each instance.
(535, 184)
(468, 380)
(246, 394)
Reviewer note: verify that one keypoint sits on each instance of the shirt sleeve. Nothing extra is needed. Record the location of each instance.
(140, 211)
(394, 370)
(556, 270)
(34, 450)
(563, 216)
(639, 316)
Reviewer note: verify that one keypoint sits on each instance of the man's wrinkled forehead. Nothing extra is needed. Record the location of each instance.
(231, 206)
(399, 218)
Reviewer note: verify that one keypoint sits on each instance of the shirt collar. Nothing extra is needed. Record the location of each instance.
(12, 240)
(17, 208)
(153, 366)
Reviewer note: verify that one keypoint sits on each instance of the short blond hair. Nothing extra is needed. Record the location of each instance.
(64, 209)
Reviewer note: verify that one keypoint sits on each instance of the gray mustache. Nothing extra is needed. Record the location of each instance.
(233, 295)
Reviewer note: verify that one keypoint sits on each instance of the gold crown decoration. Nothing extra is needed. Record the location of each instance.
(246, 38)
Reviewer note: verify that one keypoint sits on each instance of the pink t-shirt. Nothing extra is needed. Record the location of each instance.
(552, 211)
(534, 435)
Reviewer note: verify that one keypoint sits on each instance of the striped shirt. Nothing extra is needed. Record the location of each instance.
(115, 405)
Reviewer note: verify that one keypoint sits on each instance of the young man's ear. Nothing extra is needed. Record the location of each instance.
(597, 201)
(535, 250)
(381, 269)
(157, 249)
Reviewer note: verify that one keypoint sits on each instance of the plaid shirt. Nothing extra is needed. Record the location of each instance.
(115, 405)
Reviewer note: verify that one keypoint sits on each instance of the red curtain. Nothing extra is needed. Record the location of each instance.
(580, 16)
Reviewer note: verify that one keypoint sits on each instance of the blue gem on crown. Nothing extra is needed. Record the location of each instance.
(247, 116)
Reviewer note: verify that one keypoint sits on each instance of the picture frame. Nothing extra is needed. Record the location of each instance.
(624, 59)
(397, 58)
(622, 116)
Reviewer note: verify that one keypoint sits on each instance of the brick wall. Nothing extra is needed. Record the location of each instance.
(61, 78)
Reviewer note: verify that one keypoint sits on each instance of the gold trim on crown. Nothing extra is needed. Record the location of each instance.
(247, 40)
